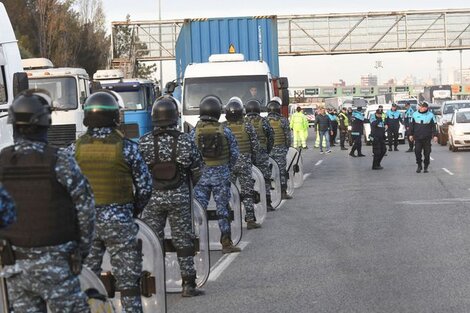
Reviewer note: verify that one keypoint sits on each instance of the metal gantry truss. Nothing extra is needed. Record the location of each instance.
(328, 34)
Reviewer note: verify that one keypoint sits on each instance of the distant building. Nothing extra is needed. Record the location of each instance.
(369, 80)
(465, 76)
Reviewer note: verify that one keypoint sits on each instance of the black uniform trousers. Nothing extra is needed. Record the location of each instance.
(423, 145)
(392, 134)
(410, 143)
(342, 137)
(357, 144)
(335, 133)
(378, 149)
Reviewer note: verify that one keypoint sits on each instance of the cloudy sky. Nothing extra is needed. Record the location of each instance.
(306, 71)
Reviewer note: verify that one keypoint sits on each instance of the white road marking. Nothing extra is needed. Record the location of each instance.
(224, 262)
(307, 175)
(319, 162)
(281, 204)
(436, 201)
(447, 171)
(431, 158)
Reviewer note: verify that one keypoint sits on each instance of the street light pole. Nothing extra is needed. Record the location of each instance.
(378, 66)
(461, 58)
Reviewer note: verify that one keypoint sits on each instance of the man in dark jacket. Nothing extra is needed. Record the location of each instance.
(323, 127)
(422, 130)
(377, 132)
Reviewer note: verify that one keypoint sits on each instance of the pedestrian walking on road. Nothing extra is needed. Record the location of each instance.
(422, 131)
(343, 127)
(299, 125)
(174, 162)
(393, 120)
(377, 133)
(407, 121)
(332, 114)
(357, 130)
(324, 129)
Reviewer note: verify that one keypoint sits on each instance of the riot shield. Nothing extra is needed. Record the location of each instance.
(3, 295)
(153, 272)
(201, 259)
(88, 280)
(259, 197)
(275, 183)
(235, 215)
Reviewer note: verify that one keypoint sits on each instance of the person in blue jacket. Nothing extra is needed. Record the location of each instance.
(422, 130)
(393, 120)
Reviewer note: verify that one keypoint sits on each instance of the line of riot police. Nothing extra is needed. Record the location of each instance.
(64, 208)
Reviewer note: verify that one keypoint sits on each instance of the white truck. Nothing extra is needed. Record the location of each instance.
(69, 88)
(225, 76)
(12, 78)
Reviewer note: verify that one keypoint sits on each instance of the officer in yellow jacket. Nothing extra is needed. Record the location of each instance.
(299, 125)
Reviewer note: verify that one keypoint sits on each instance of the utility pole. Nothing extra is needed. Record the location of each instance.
(378, 66)
(461, 58)
(160, 39)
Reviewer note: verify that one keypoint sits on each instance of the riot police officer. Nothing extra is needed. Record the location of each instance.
(377, 133)
(422, 130)
(220, 152)
(173, 159)
(56, 213)
(265, 136)
(393, 120)
(248, 147)
(282, 142)
(407, 121)
(357, 130)
(122, 186)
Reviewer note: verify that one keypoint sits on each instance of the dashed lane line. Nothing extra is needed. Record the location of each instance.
(431, 158)
(319, 162)
(224, 262)
(447, 171)
(307, 175)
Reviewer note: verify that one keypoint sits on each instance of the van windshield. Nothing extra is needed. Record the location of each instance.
(449, 108)
(308, 111)
(63, 91)
(133, 100)
(244, 87)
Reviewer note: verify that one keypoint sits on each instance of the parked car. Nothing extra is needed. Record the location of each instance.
(459, 130)
(448, 109)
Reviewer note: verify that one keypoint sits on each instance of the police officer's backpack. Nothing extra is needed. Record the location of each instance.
(166, 174)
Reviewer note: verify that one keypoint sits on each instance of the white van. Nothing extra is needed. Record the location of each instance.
(12, 80)
(69, 88)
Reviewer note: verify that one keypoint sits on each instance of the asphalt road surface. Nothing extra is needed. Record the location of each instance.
(355, 240)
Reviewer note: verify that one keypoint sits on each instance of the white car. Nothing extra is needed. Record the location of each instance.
(459, 130)
(370, 111)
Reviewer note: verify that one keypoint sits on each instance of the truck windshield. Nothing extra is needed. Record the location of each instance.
(63, 91)
(245, 87)
(133, 100)
(449, 108)
(401, 104)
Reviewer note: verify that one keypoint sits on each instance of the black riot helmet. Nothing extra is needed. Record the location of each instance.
(274, 107)
(101, 110)
(210, 108)
(253, 107)
(31, 107)
(165, 112)
(234, 110)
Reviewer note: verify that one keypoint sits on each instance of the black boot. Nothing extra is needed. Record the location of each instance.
(227, 245)
(189, 287)
(269, 206)
(426, 168)
(420, 168)
(284, 194)
(390, 148)
(396, 149)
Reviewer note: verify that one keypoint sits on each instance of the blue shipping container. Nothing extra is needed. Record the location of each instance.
(254, 37)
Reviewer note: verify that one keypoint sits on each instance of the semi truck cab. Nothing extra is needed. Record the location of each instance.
(69, 88)
(138, 96)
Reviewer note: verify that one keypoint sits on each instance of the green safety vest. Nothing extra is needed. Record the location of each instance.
(102, 162)
(239, 131)
(217, 153)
